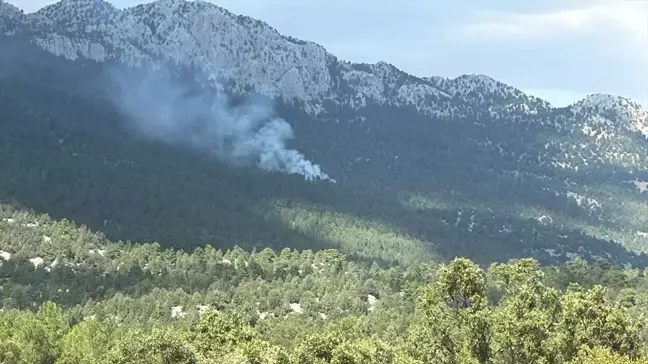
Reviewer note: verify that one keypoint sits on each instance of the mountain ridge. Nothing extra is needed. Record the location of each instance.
(298, 79)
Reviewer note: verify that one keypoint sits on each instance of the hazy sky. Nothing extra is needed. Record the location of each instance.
(560, 50)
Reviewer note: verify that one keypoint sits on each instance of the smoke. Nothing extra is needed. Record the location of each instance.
(243, 135)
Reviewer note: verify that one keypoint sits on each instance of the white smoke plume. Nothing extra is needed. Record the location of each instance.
(246, 134)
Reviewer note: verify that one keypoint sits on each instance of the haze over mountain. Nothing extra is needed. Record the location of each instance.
(426, 167)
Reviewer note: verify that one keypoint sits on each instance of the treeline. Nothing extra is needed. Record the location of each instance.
(467, 315)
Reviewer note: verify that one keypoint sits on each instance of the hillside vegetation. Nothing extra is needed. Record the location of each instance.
(71, 296)
(422, 189)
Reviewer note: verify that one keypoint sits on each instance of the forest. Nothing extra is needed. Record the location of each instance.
(70, 295)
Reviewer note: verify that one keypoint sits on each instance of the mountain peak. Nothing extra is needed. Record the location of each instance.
(626, 111)
(10, 18)
(170, 5)
(483, 90)
(175, 7)
(78, 5)
(608, 101)
(8, 9)
(466, 84)
(74, 15)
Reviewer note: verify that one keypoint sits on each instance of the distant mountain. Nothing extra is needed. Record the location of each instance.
(427, 167)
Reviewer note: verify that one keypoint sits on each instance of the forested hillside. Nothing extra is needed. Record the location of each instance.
(73, 156)
(71, 296)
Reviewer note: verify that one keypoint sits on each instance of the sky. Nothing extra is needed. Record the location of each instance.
(559, 50)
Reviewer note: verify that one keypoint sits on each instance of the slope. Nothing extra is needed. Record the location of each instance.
(426, 167)
(98, 300)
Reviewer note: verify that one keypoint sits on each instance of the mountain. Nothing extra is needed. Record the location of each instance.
(426, 167)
